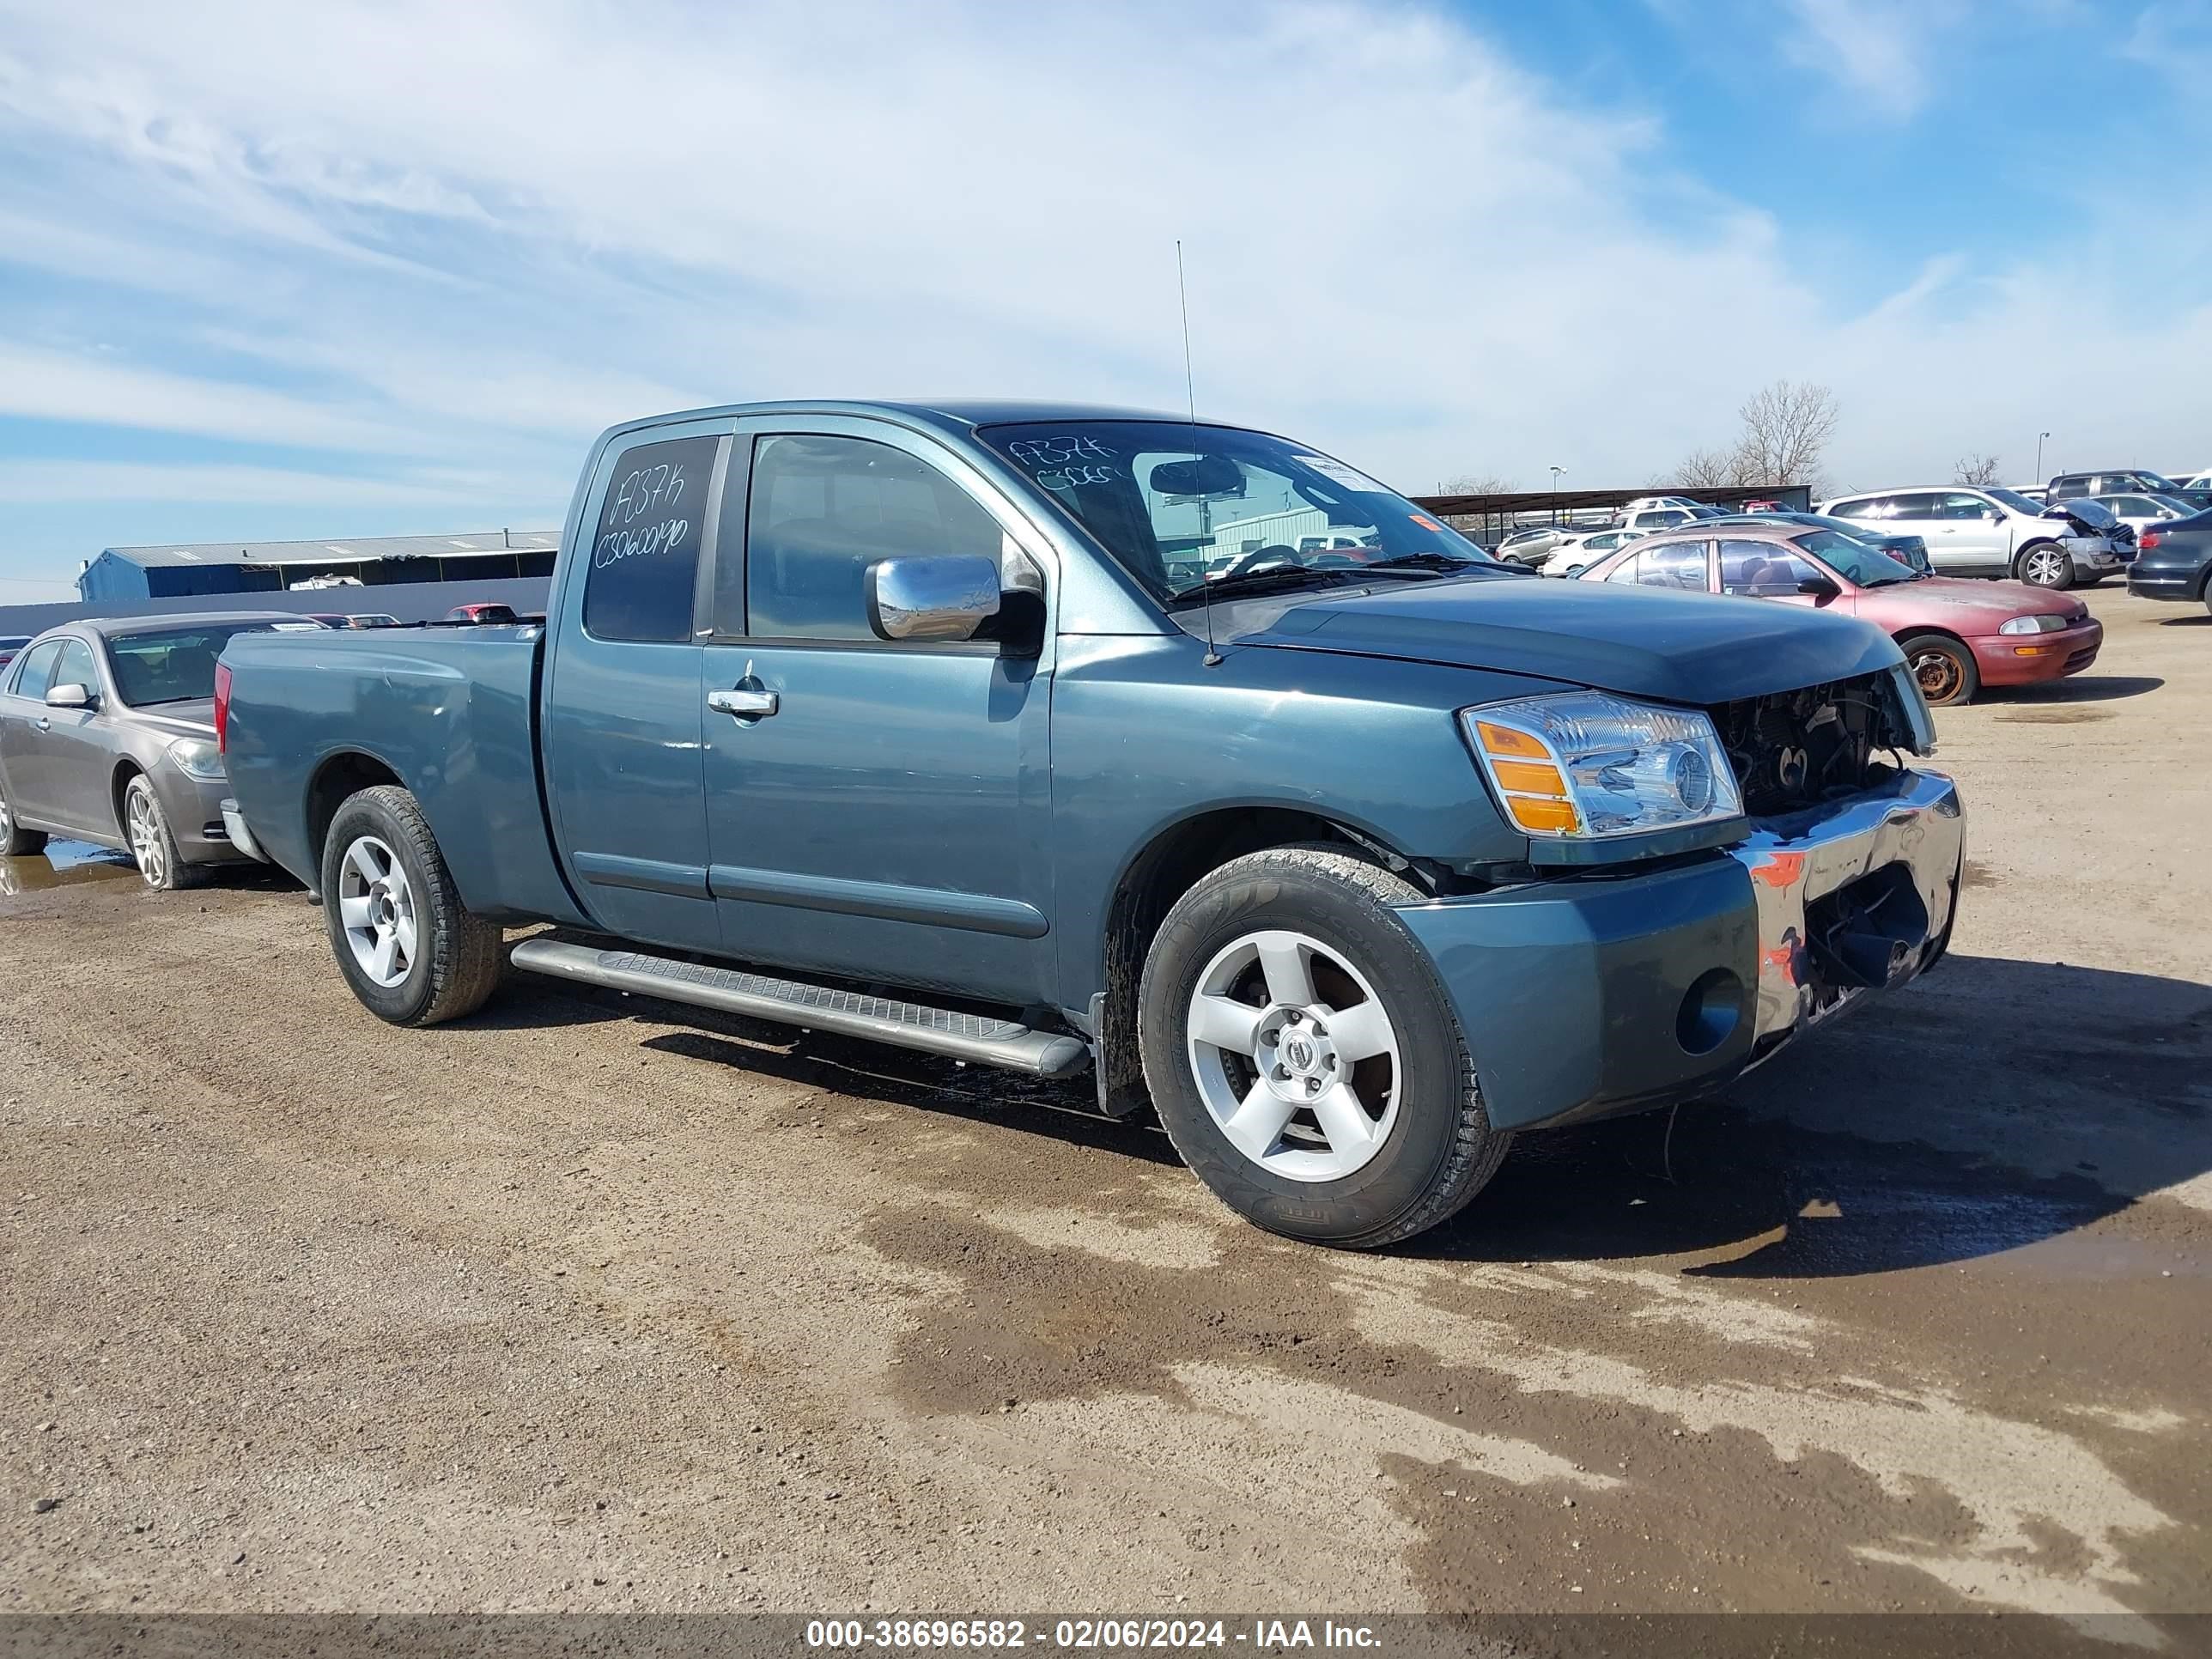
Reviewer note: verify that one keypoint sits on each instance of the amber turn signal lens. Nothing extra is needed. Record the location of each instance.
(1527, 777)
(1504, 740)
(1532, 814)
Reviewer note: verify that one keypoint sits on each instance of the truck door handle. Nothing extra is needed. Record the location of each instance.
(746, 705)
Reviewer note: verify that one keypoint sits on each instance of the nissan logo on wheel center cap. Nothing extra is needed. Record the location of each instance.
(1298, 1053)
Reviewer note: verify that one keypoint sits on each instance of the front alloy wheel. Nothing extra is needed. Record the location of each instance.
(1303, 1057)
(1294, 1056)
(153, 847)
(2047, 566)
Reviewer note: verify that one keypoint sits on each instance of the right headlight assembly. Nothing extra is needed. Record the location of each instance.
(1585, 765)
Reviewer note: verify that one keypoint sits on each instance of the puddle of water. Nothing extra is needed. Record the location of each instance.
(62, 864)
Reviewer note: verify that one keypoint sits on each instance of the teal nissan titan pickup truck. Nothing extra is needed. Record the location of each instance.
(1062, 738)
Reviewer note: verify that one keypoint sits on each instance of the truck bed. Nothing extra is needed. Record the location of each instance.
(449, 712)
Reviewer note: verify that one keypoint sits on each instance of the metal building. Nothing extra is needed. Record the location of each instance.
(171, 570)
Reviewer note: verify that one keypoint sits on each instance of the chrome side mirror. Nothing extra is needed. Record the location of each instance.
(931, 599)
(69, 696)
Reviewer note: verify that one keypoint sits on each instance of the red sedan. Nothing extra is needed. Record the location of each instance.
(1959, 635)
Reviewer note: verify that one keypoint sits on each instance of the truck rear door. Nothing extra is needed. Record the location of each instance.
(875, 810)
(623, 699)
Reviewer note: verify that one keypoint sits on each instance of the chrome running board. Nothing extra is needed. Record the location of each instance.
(977, 1037)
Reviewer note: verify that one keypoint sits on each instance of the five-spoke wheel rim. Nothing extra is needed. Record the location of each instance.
(1938, 673)
(143, 824)
(1295, 1057)
(376, 908)
(2046, 566)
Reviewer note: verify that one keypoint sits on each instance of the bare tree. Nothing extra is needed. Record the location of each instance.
(1977, 468)
(1786, 428)
(1477, 483)
(1705, 468)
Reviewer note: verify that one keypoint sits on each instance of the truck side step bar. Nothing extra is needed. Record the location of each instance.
(977, 1037)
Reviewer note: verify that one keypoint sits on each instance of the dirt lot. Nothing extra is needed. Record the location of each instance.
(573, 1306)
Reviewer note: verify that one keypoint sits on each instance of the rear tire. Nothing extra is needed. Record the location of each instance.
(2044, 564)
(15, 842)
(1303, 1058)
(1945, 669)
(412, 952)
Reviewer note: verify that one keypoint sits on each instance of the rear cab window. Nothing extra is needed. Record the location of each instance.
(645, 547)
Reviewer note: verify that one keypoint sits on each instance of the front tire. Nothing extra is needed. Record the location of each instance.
(153, 845)
(412, 952)
(2044, 564)
(1303, 1058)
(15, 842)
(1945, 670)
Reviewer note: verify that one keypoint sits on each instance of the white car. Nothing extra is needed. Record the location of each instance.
(2200, 481)
(1646, 519)
(1976, 530)
(2145, 511)
(1570, 557)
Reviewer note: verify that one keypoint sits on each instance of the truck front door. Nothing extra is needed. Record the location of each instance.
(875, 809)
(623, 702)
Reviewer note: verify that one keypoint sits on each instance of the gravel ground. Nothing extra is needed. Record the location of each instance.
(573, 1306)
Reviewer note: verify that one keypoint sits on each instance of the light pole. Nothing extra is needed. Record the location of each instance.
(2040, 437)
(1555, 492)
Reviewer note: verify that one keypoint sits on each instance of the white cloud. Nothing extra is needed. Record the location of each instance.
(1875, 49)
(83, 386)
(23, 482)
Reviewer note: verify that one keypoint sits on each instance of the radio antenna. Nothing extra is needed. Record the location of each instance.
(1190, 391)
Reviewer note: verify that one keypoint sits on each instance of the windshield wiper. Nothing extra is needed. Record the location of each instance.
(1427, 561)
(1274, 575)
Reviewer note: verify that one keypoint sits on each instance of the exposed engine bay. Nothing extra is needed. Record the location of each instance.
(1793, 750)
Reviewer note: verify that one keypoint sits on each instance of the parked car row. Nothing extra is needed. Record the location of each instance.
(1989, 531)
(1956, 636)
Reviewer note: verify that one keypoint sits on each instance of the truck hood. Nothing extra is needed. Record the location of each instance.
(1680, 647)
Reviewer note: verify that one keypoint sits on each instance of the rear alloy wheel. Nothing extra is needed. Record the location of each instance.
(413, 953)
(17, 842)
(153, 847)
(1944, 668)
(2046, 564)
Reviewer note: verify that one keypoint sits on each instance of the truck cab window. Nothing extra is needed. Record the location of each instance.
(823, 509)
(645, 548)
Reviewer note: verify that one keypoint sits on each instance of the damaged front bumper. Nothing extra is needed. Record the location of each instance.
(1851, 898)
(1609, 992)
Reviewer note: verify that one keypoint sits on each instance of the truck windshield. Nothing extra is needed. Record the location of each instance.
(1181, 506)
(176, 664)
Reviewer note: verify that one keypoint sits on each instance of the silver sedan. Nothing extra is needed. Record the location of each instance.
(107, 735)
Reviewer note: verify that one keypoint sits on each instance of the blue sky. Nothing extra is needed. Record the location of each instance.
(268, 272)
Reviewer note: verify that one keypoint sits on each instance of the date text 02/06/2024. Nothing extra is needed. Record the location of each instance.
(1086, 1634)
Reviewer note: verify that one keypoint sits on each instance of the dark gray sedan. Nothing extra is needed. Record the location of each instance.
(107, 735)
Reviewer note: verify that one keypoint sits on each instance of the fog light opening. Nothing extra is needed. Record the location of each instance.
(1710, 1011)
